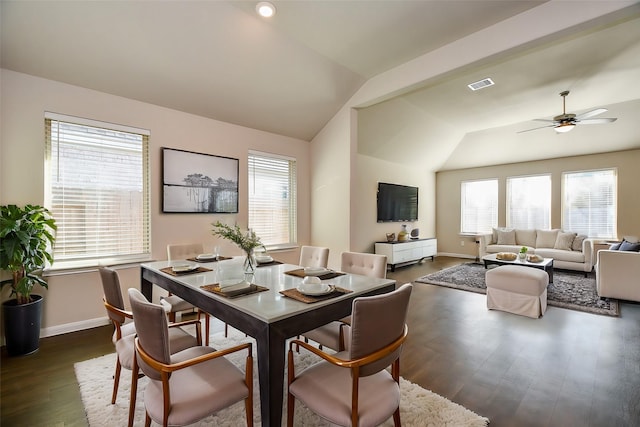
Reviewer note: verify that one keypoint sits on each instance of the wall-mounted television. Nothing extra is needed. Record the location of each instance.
(397, 203)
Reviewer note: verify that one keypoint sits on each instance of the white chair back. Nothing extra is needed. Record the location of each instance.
(371, 265)
(184, 251)
(314, 256)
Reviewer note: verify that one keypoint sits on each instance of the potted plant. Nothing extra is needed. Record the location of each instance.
(523, 252)
(248, 242)
(26, 235)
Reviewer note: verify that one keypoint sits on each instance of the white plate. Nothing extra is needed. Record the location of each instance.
(204, 257)
(324, 290)
(264, 259)
(315, 271)
(230, 282)
(181, 268)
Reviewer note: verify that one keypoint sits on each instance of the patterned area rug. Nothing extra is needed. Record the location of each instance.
(569, 290)
(418, 406)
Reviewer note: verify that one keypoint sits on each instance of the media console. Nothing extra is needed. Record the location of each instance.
(410, 251)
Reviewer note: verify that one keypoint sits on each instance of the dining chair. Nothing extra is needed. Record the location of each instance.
(125, 331)
(174, 304)
(372, 265)
(314, 256)
(353, 387)
(188, 386)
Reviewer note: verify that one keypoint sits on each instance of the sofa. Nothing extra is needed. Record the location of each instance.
(618, 272)
(569, 250)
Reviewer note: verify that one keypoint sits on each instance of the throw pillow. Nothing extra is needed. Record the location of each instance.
(615, 247)
(506, 237)
(546, 238)
(630, 247)
(577, 242)
(564, 241)
(526, 238)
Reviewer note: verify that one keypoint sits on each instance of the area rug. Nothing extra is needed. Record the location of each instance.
(419, 407)
(568, 290)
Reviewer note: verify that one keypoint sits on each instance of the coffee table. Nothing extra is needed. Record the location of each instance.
(546, 264)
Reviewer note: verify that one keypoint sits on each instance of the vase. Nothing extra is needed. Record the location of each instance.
(250, 264)
(522, 256)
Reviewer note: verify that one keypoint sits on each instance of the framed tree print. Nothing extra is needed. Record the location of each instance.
(198, 183)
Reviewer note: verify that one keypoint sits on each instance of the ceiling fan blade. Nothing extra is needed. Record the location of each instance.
(597, 121)
(544, 120)
(541, 127)
(591, 113)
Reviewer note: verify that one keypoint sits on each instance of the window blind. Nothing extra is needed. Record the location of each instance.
(98, 191)
(529, 202)
(272, 198)
(589, 203)
(479, 205)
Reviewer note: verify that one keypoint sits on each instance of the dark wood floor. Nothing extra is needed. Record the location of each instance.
(565, 369)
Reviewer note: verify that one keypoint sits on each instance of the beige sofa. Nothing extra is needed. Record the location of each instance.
(618, 274)
(568, 250)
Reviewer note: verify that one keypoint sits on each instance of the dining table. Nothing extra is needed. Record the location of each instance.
(269, 316)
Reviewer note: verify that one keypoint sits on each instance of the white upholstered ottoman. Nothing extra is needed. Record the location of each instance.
(517, 289)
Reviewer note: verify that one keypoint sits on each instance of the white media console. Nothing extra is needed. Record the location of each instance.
(409, 251)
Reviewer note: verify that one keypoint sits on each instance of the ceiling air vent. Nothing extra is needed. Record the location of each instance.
(481, 84)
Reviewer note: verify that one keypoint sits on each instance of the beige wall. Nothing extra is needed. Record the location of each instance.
(448, 193)
(74, 300)
(367, 230)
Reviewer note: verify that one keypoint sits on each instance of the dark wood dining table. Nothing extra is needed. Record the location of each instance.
(269, 317)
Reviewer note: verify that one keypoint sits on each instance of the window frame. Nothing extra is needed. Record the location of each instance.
(508, 199)
(292, 224)
(142, 221)
(492, 212)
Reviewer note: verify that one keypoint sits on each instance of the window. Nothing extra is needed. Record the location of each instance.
(97, 190)
(529, 202)
(589, 202)
(479, 205)
(272, 199)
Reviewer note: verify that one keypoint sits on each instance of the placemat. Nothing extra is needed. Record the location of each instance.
(300, 273)
(220, 258)
(215, 288)
(308, 299)
(267, 264)
(170, 271)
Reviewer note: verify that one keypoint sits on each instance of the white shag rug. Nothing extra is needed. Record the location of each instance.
(418, 408)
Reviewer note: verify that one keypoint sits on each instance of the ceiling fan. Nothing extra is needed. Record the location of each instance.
(566, 122)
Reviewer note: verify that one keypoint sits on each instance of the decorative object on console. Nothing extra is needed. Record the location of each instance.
(415, 233)
(402, 235)
(391, 237)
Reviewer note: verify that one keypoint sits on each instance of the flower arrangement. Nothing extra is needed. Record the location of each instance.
(523, 250)
(248, 241)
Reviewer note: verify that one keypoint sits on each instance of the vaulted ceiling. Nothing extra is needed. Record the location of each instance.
(291, 73)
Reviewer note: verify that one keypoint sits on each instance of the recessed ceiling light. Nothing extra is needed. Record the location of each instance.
(481, 84)
(265, 9)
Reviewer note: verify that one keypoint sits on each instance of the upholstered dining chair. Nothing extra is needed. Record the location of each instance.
(174, 304)
(371, 265)
(314, 256)
(124, 334)
(354, 387)
(190, 385)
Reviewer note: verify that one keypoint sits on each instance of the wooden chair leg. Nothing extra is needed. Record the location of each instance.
(172, 316)
(116, 380)
(396, 418)
(206, 328)
(147, 420)
(226, 330)
(134, 391)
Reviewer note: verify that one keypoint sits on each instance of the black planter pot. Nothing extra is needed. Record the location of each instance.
(22, 326)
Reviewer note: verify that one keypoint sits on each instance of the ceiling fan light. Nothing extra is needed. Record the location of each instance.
(564, 127)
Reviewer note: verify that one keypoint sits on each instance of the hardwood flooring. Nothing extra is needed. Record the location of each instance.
(564, 369)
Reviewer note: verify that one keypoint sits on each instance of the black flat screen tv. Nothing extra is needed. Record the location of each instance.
(397, 203)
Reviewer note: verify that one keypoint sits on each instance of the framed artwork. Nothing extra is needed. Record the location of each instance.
(198, 183)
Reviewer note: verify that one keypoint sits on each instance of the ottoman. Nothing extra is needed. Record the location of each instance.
(517, 289)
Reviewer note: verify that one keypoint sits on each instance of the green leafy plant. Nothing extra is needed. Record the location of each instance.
(27, 235)
(523, 250)
(247, 241)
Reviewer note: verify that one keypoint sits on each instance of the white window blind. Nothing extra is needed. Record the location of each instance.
(529, 202)
(272, 199)
(589, 203)
(479, 206)
(97, 189)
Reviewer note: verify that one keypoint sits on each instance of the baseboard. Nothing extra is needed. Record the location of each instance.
(467, 256)
(73, 327)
